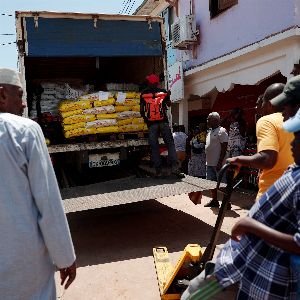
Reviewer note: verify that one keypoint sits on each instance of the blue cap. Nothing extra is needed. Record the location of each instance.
(293, 124)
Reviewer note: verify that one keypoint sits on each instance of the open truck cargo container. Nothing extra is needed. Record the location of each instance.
(97, 50)
(87, 49)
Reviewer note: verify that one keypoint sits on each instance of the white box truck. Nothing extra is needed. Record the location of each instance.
(106, 52)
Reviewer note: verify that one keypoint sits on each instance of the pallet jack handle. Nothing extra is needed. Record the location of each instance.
(209, 251)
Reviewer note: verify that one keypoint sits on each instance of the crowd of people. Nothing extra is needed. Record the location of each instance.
(256, 260)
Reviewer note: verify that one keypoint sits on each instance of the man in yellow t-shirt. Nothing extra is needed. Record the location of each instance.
(273, 143)
(271, 137)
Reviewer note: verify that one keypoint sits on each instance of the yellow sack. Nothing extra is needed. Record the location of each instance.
(128, 102)
(68, 105)
(124, 122)
(106, 116)
(101, 123)
(135, 108)
(100, 110)
(73, 126)
(109, 129)
(121, 108)
(131, 102)
(71, 113)
(128, 114)
(94, 96)
(138, 121)
(131, 128)
(78, 119)
(145, 128)
(110, 101)
(132, 95)
(79, 132)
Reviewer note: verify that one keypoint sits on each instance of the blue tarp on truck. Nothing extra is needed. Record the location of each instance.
(62, 37)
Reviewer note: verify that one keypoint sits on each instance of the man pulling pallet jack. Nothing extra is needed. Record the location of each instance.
(172, 280)
(258, 255)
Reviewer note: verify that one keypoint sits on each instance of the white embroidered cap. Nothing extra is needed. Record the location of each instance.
(8, 76)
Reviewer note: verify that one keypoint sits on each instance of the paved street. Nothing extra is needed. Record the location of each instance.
(114, 245)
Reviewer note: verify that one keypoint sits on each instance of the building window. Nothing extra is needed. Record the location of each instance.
(218, 6)
(171, 19)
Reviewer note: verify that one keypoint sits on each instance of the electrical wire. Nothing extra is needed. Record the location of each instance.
(126, 11)
(5, 44)
(125, 6)
(6, 15)
(133, 2)
(122, 6)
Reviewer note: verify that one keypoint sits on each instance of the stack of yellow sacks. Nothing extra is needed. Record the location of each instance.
(128, 113)
(89, 115)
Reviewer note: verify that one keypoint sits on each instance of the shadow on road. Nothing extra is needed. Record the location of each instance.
(244, 200)
(131, 231)
(229, 213)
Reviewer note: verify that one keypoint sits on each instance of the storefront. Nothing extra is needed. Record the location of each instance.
(237, 79)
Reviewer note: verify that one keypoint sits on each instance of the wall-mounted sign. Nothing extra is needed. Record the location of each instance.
(175, 82)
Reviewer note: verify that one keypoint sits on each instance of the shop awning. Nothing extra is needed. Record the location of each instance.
(247, 66)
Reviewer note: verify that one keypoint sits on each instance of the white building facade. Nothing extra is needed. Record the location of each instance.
(240, 43)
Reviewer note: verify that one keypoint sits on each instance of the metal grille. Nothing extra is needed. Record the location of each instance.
(176, 32)
(130, 190)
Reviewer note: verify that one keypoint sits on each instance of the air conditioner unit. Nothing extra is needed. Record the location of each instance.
(184, 32)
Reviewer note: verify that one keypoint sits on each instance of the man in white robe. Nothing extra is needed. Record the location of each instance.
(34, 233)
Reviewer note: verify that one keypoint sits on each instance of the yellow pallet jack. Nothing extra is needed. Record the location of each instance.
(173, 280)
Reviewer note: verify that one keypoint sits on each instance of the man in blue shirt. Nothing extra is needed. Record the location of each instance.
(257, 257)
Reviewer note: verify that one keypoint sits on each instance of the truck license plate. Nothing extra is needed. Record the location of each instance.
(104, 160)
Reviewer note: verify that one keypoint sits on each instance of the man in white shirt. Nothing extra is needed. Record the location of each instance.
(34, 233)
(215, 150)
(180, 143)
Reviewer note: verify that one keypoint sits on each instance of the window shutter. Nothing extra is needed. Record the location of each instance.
(223, 4)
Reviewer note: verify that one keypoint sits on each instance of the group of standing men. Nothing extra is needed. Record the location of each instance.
(257, 258)
(257, 262)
